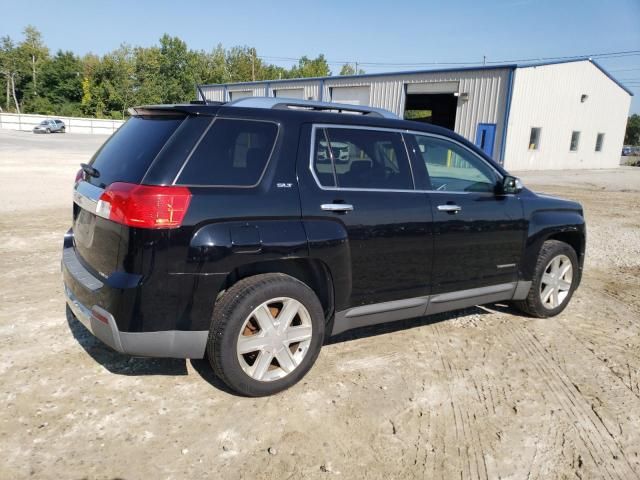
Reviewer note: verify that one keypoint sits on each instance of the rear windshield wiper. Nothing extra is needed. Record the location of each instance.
(89, 170)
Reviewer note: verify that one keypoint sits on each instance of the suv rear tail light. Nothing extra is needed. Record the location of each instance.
(144, 206)
(79, 175)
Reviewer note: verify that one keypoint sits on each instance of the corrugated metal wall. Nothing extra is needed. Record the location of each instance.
(216, 93)
(485, 103)
(549, 97)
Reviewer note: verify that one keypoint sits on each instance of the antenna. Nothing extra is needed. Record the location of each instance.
(199, 88)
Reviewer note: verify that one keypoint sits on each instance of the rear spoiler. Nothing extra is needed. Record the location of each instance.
(172, 110)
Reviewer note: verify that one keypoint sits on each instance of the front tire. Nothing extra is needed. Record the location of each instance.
(554, 281)
(266, 333)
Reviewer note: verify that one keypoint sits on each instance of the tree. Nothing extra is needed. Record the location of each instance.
(89, 103)
(9, 67)
(242, 63)
(209, 67)
(147, 78)
(33, 52)
(175, 70)
(61, 78)
(274, 72)
(317, 67)
(632, 135)
(348, 69)
(107, 86)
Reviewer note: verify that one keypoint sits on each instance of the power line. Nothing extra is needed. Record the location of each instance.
(602, 55)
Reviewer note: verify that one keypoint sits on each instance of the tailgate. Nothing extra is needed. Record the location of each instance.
(96, 239)
(125, 157)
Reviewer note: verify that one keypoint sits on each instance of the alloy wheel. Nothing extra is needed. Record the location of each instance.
(556, 282)
(274, 339)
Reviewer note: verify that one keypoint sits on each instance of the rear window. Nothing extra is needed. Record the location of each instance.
(128, 154)
(232, 153)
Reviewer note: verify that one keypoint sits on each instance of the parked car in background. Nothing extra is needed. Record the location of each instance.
(50, 126)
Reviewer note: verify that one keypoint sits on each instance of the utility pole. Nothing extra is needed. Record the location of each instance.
(484, 60)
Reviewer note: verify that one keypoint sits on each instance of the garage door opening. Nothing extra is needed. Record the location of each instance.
(432, 102)
(435, 108)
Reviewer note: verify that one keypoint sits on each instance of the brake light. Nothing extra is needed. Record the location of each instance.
(144, 206)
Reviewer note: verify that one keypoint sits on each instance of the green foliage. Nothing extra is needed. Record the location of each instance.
(31, 54)
(421, 115)
(11, 70)
(348, 69)
(61, 78)
(106, 86)
(632, 135)
(317, 67)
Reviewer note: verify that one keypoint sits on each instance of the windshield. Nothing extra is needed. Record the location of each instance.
(44, 122)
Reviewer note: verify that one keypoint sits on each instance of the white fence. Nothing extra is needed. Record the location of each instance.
(26, 122)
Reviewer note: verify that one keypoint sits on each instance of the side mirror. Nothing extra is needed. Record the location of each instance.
(511, 185)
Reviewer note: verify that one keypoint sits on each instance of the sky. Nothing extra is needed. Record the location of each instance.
(373, 31)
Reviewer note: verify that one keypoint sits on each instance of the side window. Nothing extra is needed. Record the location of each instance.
(232, 153)
(323, 160)
(361, 158)
(453, 168)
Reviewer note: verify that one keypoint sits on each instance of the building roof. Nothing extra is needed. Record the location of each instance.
(508, 66)
(585, 59)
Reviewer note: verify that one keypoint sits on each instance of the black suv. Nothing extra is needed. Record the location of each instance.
(249, 232)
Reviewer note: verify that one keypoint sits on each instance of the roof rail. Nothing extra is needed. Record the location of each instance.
(284, 103)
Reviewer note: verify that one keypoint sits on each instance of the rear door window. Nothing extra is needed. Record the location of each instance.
(128, 154)
(362, 158)
(232, 153)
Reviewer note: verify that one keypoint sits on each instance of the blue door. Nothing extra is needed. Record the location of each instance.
(485, 136)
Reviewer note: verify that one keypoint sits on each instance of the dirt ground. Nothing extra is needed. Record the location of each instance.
(484, 393)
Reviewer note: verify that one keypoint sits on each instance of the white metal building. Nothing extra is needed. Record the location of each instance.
(556, 115)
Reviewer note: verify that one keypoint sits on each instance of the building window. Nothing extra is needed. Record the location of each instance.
(534, 138)
(599, 141)
(575, 140)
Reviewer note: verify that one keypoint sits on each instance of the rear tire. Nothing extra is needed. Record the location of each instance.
(255, 350)
(554, 281)
(62, 130)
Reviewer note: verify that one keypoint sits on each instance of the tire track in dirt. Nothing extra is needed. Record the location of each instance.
(601, 446)
(613, 339)
(465, 403)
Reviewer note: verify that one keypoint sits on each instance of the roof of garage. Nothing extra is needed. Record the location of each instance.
(511, 66)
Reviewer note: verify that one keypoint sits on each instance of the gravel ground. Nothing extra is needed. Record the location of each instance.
(483, 393)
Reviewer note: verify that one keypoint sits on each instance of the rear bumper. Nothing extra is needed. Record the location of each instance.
(80, 284)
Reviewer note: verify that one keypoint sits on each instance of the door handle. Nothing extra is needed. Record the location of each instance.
(449, 208)
(337, 207)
